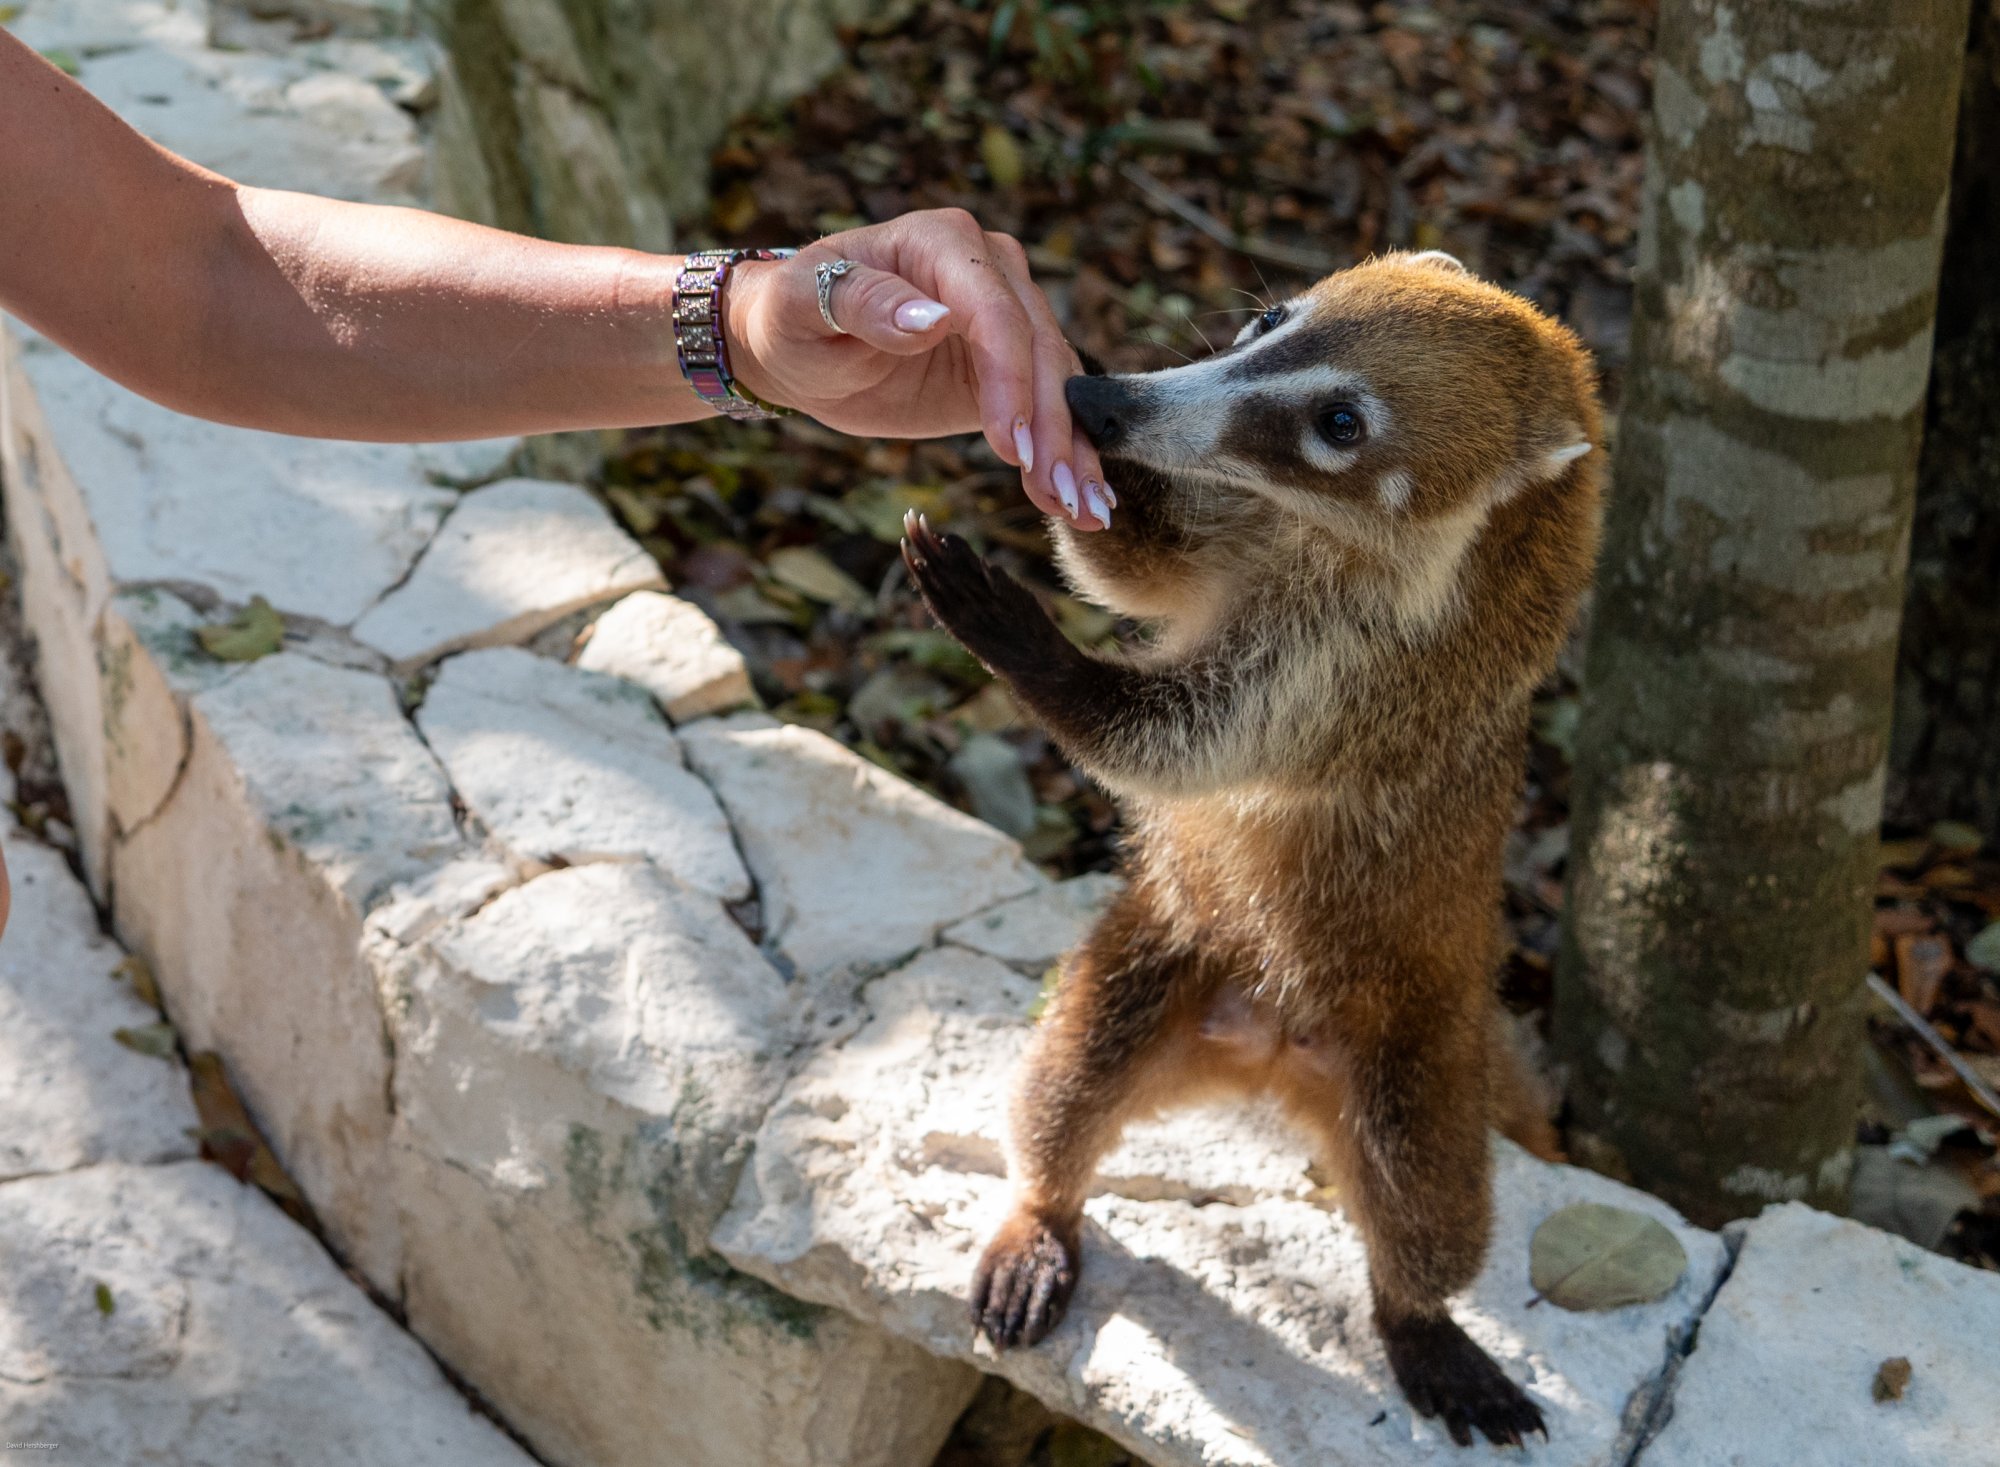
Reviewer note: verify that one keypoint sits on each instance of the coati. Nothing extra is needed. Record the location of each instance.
(1359, 534)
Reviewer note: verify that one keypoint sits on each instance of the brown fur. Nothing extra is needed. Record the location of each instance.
(1319, 756)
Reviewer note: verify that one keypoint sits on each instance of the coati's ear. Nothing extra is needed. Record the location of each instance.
(1561, 458)
(1439, 260)
(1563, 447)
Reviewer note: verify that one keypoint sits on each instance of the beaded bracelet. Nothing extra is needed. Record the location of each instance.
(698, 339)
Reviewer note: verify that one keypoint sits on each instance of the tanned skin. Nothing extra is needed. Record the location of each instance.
(1360, 536)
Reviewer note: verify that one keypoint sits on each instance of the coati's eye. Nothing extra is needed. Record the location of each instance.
(1270, 320)
(1341, 425)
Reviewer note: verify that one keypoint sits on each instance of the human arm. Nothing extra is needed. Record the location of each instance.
(304, 315)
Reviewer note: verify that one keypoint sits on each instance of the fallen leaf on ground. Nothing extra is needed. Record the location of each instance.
(1590, 1256)
(255, 631)
(231, 1140)
(811, 574)
(156, 1040)
(135, 971)
(105, 1303)
(1892, 1378)
(1922, 961)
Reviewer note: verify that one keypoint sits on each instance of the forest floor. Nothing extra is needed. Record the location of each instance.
(1172, 165)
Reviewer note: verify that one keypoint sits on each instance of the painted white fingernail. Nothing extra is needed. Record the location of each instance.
(1024, 445)
(1065, 483)
(920, 315)
(1093, 499)
(1105, 489)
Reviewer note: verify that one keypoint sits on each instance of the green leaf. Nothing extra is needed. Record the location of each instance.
(810, 573)
(63, 60)
(1051, 980)
(879, 508)
(1984, 950)
(1590, 1256)
(156, 1040)
(9, 14)
(1956, 838)
(255, 631)
(105, 1303)
(1002, 155)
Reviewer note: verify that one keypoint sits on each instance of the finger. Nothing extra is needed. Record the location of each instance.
(886, 312)
(951, 253)
(1064, 463)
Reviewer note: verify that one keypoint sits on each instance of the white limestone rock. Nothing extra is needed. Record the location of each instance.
(265, 120)
(319, 529)
(566, 767)
(1033, 931)
(1225, 1333)
(856, 868)
(514, 557)
(231, 1338)
(674, 651)
(65, 584)
(70, 1094)
(580, 1067)
(306, 799)
(1784, 1367)
(149, 662)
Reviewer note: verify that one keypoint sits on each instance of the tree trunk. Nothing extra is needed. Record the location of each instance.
(1945, 758)
(1738, 682)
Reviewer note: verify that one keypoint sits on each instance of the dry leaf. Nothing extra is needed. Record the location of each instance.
(156, 1040)
(1922, 962)
(106, 1305)
(135, 970)
(1590, 1256)
(811, 574)
(1892, 1378)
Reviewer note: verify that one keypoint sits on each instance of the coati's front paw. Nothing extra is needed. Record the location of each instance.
(995, 616)
(1023, 1282)
(1446, 1375)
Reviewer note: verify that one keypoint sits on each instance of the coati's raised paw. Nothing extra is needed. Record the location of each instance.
(995, 616)
(1023, 1282)
(1444, 1374)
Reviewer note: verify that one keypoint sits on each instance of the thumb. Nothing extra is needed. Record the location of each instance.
(887, 312)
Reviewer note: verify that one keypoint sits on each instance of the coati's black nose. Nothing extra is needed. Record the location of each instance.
(1103, 407)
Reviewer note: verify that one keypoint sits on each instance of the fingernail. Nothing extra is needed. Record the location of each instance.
(1024, 445)
(920, 315)
(1105, 489)
(1065, 483)
(1093, 498)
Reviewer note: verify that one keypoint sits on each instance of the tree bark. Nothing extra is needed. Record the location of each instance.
(1738, 682)
(1945, 757)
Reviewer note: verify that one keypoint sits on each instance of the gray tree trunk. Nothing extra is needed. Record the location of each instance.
(592, 121)
(1738, 682)
(1945, 758)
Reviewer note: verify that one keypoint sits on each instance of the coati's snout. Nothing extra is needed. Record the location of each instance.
(1106, 408)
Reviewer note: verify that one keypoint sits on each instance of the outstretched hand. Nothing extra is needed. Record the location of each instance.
(992, 359)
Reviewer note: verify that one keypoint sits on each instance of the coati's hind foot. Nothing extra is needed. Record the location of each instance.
(1444, 1374)
(1023, 1282)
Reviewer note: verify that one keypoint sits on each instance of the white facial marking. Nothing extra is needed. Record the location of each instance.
(1395, 489)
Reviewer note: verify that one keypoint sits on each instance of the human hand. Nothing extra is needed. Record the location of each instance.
(993, 359)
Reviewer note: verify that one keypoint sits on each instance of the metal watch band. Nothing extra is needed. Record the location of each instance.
(698, 339)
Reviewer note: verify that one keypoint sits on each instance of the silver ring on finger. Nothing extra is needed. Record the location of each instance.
(824, 274)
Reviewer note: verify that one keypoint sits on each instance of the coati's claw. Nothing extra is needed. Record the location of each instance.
(1445, 1375)
(1023, 1283)
(994, 615)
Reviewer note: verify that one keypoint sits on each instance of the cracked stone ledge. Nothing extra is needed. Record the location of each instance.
(465, 942)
